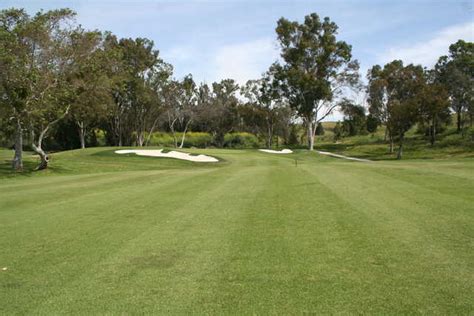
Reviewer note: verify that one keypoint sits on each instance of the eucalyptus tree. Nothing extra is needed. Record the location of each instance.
(394, 98)
(456, 72)
(317, 68)
(434, 105)
(137, 73)
(36, 60)
(217, 109)
(263, 94)
(379, 93)
(92, 93)
(181, 100)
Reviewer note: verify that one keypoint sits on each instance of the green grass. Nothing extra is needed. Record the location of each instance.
(101, 233)
(449, 145)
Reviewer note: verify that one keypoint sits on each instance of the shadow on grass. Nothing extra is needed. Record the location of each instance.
(6, 170)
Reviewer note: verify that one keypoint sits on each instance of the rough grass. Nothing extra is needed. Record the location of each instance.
(449, 145)
(101, 233)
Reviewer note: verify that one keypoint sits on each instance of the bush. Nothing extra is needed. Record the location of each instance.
(100, 137)
(193, 139)
(241, 140)
(371, 124)
(338, 131)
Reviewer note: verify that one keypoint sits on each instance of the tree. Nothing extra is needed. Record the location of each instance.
(434, 105)
(405, 106)
(217, 109)
(181, 99)
(263, 95)
(92, 90)
(317, 68)
(354, 118)
(36, 63)
(15, 88)
(456, 72)
(138, 77)
(394, 98)
(378, 98)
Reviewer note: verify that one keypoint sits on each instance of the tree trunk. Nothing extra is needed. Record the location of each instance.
(459, 121)
(433, 132)
(150, 133)
(38, 147)
(400, 148)
(44, 158)
(310, 135)
(140, 139)
(269, 133)
(171, 125)
(175, 140)
(390, 137)
(17, 162)
(184, 134)
(82, 134)
(269, 138)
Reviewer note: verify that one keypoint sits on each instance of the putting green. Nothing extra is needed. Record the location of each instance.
(254, 233)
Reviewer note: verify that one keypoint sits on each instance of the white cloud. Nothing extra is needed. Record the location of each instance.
(243, 61)
(427, 53)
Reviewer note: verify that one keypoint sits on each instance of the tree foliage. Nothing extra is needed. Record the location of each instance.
(316, 69)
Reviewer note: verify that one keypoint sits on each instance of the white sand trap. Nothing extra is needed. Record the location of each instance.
(171, 154)
(343, 157)
(283, 151)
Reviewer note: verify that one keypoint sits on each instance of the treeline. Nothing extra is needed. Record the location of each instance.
(60, 83)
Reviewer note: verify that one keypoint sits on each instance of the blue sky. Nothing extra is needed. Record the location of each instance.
(215, 39)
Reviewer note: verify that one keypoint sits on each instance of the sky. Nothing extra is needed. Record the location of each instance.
(218, 39)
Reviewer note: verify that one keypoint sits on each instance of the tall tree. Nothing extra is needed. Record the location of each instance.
(263, 95)
(394, 98)
(137, 75)
(217, 109)
(434, 105)
(181, 99)
(456, 72)
(36, 61)
(89, 78)
(317, 68)
(379, 93)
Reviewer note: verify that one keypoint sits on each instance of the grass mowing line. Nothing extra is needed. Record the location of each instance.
(180, 226)
(411, 209)
(411, 238)
(75, 192)
(103, 226)
(254, 235)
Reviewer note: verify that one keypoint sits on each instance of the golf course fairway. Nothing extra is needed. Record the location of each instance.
(255, 233)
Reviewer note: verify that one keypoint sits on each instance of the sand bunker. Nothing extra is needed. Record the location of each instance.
(283, 151)
(171, 154)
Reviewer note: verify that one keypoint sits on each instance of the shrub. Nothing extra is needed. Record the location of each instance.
(241, 140)
(193, 139)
